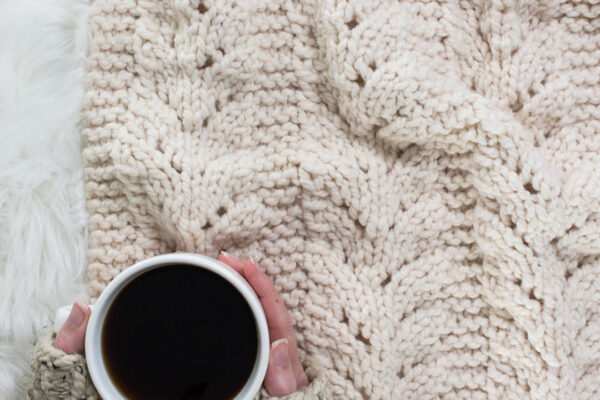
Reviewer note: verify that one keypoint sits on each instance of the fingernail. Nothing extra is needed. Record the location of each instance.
(250, 266)
(230, 256)
(76, 316)
(281, 357)
(254, 263)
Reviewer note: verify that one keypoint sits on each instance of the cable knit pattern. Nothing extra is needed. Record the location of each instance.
(421, 179)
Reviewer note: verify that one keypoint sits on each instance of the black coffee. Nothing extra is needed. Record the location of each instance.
(179, 332)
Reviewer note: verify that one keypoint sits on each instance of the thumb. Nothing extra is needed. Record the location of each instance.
(280, 379)
(71, 336)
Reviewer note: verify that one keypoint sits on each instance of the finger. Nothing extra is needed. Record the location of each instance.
(301, 378)
(280, 379)
(71, 336)
(278, 319)
(232, 261)
(280, 326)
(260, 282)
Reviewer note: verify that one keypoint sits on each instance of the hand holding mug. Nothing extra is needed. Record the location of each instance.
(285, 373)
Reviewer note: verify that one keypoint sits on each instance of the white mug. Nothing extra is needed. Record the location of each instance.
(93, 343)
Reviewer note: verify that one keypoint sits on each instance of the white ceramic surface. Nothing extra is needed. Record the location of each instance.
(93, 349)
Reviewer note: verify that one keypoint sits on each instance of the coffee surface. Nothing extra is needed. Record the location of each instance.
(179, 332)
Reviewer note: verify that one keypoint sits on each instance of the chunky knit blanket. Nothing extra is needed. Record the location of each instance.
(420, 179)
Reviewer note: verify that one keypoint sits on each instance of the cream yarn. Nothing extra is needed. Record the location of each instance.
(421, 179)
(57, 375)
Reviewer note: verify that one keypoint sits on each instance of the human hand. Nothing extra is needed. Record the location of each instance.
(71, 336)
(284, 375)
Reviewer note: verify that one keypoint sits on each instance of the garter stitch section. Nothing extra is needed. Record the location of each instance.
(421, 179)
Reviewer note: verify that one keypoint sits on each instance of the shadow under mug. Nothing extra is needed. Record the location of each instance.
(93, 338)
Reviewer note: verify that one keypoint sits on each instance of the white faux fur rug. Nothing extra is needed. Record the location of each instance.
(42, 216)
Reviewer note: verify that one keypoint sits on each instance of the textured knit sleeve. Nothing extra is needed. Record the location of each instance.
(58, 375)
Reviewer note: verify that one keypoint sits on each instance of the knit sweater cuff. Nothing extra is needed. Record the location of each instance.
(317, 389)
(58, 375)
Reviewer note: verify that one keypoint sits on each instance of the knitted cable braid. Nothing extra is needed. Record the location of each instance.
(421, 179)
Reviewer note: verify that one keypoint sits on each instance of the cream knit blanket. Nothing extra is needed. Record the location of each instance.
(420, 179)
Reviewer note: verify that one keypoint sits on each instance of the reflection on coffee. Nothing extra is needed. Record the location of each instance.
(179, 332)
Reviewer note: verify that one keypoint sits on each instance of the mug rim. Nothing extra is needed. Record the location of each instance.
(93, 340)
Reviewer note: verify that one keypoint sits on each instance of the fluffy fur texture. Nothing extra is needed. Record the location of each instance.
(42, 214)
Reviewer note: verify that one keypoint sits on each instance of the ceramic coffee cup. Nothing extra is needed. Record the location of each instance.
(93, 343)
